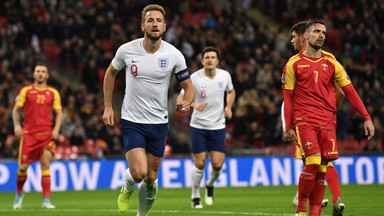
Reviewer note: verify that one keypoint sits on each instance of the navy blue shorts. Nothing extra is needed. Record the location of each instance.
(207, 140)
(151, 137)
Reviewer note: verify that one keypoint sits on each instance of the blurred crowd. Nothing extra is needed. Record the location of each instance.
(79, 39)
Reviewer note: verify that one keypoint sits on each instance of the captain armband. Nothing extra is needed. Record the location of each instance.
(182, 75)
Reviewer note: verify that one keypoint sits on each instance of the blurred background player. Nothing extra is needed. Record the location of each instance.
(208, 121)
(37, 136)
(150, 63)
(299, 42)
(310, 109)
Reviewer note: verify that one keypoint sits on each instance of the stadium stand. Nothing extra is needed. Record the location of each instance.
(70, 34)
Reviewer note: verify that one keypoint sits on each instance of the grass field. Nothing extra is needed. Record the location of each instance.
(360, 200)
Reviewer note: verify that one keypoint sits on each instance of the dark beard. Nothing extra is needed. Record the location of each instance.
(315, 47)
(154, 38)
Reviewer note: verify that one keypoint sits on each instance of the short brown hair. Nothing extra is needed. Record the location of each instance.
(41, 64)
(313, 22)
(152, 7)
(299, 28)
(211, 49)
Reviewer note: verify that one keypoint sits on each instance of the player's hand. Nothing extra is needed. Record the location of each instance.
(199, 106)
(285, 135)
(228, 113)
(369, 129)
(55, 135)
(108, 116)
(182, 106)
(292, 136)
(18, 131)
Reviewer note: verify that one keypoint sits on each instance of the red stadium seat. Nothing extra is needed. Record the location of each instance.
(53, 53)
(107, 45)
(3, 21)
(100, 75)
(91, 146)
(62, 140)
(333, 37)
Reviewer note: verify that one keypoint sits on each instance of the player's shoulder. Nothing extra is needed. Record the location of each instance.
(198, 73)
(293, 59)
(26, 88)
(52, 89)
(134, 44)
(170, 49)
(222, 72)
(328, 54)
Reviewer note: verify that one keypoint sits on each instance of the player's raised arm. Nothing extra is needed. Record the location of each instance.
(108, 85)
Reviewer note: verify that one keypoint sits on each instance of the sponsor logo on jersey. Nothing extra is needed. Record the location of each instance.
(163, 63)
(283, 78)
(134, 61)
(301, 66)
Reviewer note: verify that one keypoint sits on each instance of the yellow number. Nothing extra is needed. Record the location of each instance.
(333, 144)
(316, 75)
(40, 99)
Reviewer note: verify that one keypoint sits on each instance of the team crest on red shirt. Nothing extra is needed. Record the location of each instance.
(308, 145)
(47, 93)
(24, 157)
(324, 66)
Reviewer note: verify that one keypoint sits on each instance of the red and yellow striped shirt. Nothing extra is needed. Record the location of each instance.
(38, 105)
(312, 83)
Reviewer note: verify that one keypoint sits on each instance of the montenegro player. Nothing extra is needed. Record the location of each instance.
(37, 136)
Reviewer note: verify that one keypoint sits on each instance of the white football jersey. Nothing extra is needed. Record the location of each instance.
(147, 80)
(212, 92)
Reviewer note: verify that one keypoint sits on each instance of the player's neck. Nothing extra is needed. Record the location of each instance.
(40, 85)
(151, 46)
(210, 73)
(312, 53)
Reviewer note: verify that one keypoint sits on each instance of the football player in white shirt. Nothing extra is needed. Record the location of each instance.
(208, 121)
(150, 62)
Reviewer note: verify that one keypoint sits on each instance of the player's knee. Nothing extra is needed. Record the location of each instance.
(23, 167)
(217, 166)
(138, 175)
(44, 165)
(200, 164)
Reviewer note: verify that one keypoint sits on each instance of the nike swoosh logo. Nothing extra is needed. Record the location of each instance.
(133, 61)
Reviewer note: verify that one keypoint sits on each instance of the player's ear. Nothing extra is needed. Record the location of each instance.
(303, 37)
(142, 27)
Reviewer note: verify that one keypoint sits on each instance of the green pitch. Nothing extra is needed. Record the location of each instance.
(274, 201)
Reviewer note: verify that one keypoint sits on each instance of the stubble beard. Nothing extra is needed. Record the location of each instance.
(154, 38)
(315, 47)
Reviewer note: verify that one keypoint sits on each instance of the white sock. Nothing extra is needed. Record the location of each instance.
(147, 196)
(129, 182)
(196, 175)
(213, 176)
